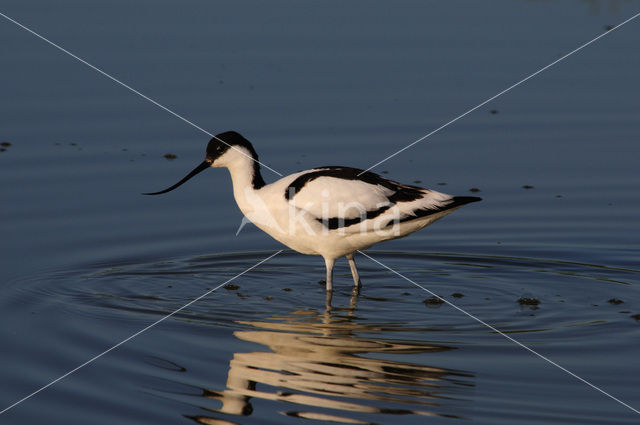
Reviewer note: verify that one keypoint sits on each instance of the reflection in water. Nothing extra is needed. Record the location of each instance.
(319, 363)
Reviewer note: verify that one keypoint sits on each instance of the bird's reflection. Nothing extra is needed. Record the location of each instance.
(322, 368)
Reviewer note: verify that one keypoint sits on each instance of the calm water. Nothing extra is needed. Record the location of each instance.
(88, 262)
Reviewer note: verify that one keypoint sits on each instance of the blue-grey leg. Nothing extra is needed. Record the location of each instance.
(354, 270)
(327, 305)
(329, 262)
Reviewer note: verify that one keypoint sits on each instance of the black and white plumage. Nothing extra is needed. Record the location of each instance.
(330, 211)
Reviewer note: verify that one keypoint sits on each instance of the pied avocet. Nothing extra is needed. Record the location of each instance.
(330, 211)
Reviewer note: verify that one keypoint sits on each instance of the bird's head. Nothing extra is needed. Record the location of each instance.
(223, 150)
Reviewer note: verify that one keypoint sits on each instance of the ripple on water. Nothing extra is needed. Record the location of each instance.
(384, 351)
(492, 284)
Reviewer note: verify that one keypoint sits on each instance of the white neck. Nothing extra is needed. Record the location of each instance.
(241, 169)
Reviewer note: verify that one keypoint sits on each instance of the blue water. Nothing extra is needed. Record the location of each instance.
(88, 262)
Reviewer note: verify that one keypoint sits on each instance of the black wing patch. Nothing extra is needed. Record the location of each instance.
(338, 222)
(401, 192)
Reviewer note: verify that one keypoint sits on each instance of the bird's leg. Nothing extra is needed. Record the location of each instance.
(354, 270)
(329, 262)
(354, 299)
(328, 302)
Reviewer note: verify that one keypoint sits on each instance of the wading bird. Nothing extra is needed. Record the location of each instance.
(330, 211)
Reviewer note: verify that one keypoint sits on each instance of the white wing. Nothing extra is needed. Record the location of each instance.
(327, 197)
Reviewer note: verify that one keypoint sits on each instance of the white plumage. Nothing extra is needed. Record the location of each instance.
(328, 211)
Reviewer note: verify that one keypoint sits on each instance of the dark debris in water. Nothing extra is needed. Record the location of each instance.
(170, 156)
(493, 111)
(474, 190)
(528, 301)
(615, 301)
(433, 301)
(527, 186)
(608, 27)
(636, 316)
(164, 364)
(457, 295)
(231, 287)
(286, 289)
(4, 146)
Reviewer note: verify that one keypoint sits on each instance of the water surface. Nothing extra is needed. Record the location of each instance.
(550, 257)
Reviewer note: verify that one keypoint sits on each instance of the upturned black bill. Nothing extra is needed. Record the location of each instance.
(203, 166)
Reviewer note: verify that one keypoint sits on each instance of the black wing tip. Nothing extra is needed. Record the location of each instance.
(462, 200)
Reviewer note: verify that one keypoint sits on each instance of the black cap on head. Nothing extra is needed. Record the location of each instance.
(220, 143)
